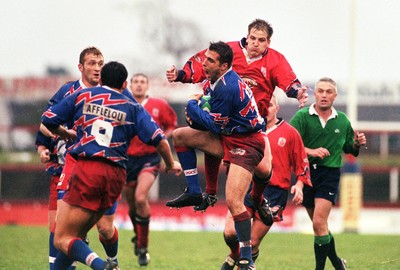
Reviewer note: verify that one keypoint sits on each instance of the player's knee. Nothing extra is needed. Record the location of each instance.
(264, 169)
(319, 226)
(106, 230)
(140, 202)
(57, 242)
(177, 137)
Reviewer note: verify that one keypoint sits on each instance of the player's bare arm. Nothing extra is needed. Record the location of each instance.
(46, 132)
(65, 134)
(171, 165)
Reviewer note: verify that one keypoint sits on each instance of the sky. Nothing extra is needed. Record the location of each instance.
(314, 35)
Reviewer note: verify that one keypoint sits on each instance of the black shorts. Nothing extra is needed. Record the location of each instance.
(325, 183)
(137, 165)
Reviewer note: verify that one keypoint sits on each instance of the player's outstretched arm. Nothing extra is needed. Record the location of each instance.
(164, 150)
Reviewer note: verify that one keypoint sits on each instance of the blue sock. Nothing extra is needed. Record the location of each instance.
(80, 251)
(243, 231)
(111, 246)
(52, 250)
(187, 158)
(62, 261)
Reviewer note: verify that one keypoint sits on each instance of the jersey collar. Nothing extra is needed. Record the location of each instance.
(333, 115)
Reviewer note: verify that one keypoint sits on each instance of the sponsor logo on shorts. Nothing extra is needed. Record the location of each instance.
(331, 193)
(237, 151)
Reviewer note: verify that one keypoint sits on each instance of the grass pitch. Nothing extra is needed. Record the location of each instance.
(26, 248)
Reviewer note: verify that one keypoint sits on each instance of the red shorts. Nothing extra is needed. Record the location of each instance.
(244, 150)
(53, 192)
(95, 184)
(66, 172)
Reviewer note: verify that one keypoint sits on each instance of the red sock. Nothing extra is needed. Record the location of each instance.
(212, 165)
(142, 227)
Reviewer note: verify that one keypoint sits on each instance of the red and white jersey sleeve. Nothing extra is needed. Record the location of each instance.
(288, 155)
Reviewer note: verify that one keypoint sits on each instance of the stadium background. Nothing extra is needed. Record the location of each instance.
(345, 45)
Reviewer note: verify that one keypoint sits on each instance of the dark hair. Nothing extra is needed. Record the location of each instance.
(224, 50)
(89, 50)
(262, 25)
(114, 74)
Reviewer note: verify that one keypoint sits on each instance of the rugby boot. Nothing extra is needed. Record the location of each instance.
(185, 199)
(208, 200)
(265, 213)
(110, 265)
(143, 256)
(229, 264)
(342, 265)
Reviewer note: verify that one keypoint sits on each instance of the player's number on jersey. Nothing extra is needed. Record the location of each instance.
(102, 131)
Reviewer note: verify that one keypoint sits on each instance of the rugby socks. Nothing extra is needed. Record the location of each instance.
(321, 250)
(211, 166)
(132, 215)
(52, 250)
(54, 254)
(80, 251)
(142, 231)
(243, 231)
(258, 188)
(62, 261)
(111, 246)
(233, 243)
(333, 257)
(187, 158)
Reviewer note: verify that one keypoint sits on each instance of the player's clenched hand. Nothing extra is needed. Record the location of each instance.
(302, 96)
(194, 97)
(360, 139)
(45, 156)
(176, 168)
(172, 74)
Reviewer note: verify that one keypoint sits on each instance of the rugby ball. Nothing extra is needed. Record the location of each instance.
(204, 103)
